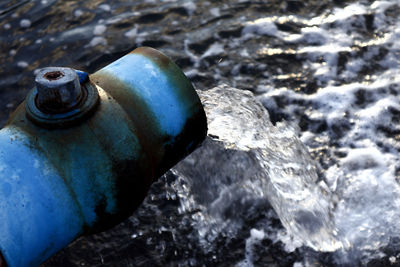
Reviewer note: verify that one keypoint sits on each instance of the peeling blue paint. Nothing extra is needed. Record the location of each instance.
(38, 205)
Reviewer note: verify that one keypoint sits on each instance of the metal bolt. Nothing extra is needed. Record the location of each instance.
(58, 89)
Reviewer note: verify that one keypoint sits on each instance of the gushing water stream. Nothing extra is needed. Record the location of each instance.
(245, 161)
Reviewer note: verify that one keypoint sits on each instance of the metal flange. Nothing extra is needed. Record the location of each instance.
(61, 98)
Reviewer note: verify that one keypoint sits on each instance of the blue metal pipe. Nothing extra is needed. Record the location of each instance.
(65, 172)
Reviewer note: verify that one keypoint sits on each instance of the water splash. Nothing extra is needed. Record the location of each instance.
(246, 161)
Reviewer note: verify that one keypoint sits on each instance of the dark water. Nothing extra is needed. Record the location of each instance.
(288, 58)
(36, 34)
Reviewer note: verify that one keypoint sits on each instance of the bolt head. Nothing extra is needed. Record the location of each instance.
(58, 89)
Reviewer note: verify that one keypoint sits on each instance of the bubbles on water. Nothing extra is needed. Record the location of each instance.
(99, 29)
(22, 64)
(255, 238)
(131, 33)
(98, 40)
(105, 7)
(25, 23)
(78, 13)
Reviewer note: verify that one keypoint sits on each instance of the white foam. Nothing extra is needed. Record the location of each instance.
(76, 33)
(190, 7)
(25, 23)
(264, 26)
(22, 64)
(98, 40)
(191, 73)
(364, 179)
(132, 32)
(256, 236)
(99, 29)
(105, 7)
(117, 18)
(78, 13)
(215, 11)
(214, 49)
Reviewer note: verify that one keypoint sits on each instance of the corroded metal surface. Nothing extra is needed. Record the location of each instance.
(60, 115)
(85, 177)
(58, 89)
(147, 97)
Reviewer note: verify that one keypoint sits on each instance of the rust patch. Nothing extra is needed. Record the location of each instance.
(148, 130)
(131, 189)
(163, 150)
(175, 76)
(192, 135)
(154, 55)
(53, 75)
(132, 177)
(42, 113)
(2, 261)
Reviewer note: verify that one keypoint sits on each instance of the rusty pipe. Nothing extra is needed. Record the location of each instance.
(80, 153)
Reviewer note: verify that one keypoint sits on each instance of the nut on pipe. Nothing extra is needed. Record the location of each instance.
(58, 89)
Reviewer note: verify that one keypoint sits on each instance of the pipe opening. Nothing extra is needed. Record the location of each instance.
(53, 75)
